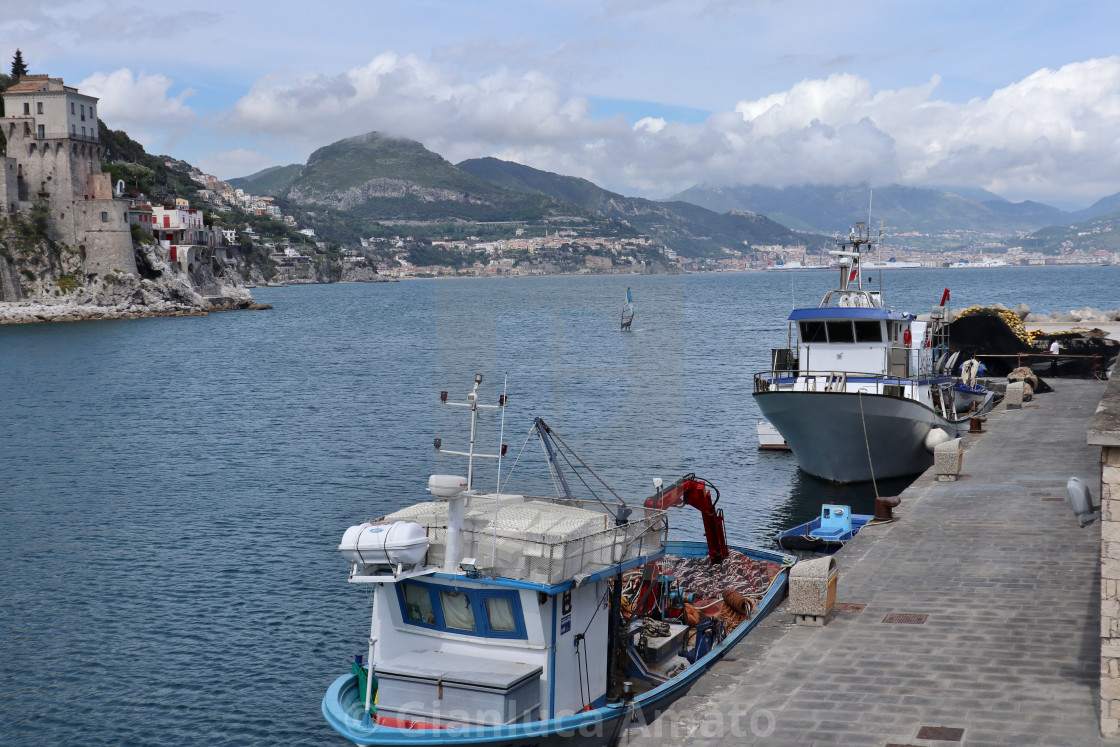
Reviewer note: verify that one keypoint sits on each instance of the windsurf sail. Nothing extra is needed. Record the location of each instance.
(627, 311)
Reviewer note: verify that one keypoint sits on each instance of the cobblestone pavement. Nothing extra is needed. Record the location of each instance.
(1000, 589)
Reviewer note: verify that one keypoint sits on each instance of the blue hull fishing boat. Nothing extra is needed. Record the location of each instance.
(824, 534)
(510, 619)
(862, 391)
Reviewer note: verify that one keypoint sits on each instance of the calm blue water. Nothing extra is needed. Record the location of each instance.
(173, 490)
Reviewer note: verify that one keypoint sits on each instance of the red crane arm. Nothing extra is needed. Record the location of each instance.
(694, 492)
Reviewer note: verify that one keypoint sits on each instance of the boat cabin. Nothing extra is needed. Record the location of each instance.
(492, 610)
(850, 336)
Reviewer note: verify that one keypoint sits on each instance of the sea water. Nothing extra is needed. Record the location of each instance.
(174, 490)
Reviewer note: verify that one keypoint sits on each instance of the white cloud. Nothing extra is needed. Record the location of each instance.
(140, 105)
(1052, 134)
(650, 124)
(234, 163)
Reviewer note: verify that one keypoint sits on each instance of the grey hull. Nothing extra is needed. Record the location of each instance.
(825, 431)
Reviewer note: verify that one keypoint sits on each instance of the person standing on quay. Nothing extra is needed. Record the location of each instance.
(1054, 360)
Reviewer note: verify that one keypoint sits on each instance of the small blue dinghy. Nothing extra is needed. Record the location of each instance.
(826, 533)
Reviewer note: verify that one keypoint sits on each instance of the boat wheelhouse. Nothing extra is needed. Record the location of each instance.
(862, 391)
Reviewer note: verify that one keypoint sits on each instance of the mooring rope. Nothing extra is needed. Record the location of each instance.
(867, 443)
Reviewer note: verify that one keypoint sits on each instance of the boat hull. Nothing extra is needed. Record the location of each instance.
(801, 538)
(825, 431)
(343, 708)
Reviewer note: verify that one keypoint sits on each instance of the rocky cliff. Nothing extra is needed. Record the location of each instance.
(42, 280)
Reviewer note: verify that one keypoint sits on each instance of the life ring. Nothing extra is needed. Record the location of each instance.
(907, 338)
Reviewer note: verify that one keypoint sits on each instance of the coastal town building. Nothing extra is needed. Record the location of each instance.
(186, 241)
(54, 157)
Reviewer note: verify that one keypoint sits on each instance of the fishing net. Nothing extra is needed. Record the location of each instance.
(1003, 347)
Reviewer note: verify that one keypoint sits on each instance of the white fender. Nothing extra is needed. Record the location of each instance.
(934, 437)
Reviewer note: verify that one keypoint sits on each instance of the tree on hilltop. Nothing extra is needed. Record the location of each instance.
(19, 67)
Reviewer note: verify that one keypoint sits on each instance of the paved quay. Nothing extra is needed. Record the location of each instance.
(996, 589)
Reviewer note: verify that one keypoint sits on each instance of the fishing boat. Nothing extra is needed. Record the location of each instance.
(862, 391)
(769, 439)
(503, 618)
(826, 533)
(627, 312)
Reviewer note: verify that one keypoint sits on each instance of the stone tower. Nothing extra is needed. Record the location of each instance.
(55, 155)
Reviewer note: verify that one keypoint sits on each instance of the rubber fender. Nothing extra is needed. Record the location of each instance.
(934, 437)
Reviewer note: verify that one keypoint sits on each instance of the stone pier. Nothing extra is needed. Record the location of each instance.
(974, 618)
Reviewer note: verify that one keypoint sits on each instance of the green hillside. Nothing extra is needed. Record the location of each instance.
(1095, 234)
(374, 177)
(269, 182)
(686, 228)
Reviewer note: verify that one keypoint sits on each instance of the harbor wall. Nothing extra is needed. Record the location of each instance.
(1105, 432)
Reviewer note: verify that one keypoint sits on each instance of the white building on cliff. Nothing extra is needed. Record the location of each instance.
(54, 155)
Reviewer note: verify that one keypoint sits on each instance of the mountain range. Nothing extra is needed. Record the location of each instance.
(358, 185)
(372, 183)
(823, 208)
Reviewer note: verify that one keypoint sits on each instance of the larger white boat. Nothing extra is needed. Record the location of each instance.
(515, 620)
(862, 391)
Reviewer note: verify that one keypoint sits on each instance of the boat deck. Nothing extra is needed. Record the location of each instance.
(974, 618)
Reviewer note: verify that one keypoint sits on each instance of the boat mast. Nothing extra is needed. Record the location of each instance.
(472, 404)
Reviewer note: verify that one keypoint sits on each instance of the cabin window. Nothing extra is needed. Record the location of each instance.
(482, 612)
(457, 611)
(868, 331)
(418, 605)
(840, 331)
(812, 332)
(499, 611)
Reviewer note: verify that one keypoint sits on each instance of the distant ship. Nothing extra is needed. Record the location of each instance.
(795, 265)
(891, 264)
(983, 262)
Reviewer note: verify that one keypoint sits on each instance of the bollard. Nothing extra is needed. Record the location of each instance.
(812, 590)
(1013, 397)
(947, 460)
(884, 507)
(976, 424)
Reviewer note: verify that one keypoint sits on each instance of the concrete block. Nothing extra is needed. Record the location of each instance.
(1110, 455)
(1110, 531)
(1110, 688)
(1110, 568)
(812, 590)
(947, 460)
(1013, 398)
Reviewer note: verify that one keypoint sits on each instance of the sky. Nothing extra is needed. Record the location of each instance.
(644, 97)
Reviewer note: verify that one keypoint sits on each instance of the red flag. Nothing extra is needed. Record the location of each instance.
(852, 275)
